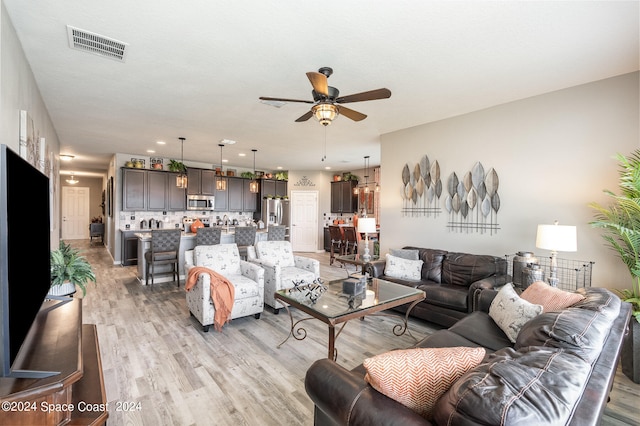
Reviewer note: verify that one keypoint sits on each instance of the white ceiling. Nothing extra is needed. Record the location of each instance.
(196, 69)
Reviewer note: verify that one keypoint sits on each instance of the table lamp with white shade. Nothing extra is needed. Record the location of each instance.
(556, 238)
(365, 226)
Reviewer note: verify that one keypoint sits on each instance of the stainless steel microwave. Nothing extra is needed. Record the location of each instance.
(200, 202)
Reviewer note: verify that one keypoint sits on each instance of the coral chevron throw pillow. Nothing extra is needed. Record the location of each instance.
(417, 378)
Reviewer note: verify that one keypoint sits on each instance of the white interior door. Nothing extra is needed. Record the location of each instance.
(304, 221)
(75, 212)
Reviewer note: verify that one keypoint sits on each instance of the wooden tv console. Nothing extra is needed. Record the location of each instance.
(58, 342)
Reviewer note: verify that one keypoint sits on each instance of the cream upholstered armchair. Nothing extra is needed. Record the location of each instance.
(247, 279)
(282, 268)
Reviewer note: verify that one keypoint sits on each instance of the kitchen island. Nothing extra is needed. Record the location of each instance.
(187, 242)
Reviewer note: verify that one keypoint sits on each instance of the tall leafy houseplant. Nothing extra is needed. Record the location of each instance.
(620, 222)
(67, 266)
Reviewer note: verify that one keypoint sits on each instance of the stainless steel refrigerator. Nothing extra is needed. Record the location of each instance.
(276, 212)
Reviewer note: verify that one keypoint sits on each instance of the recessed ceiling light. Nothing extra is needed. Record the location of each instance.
(327, 168)
(151, 151)
(279, 167)
(242, 154)
(161, 143)
(225, 160)
(227, 141)
(66, 157)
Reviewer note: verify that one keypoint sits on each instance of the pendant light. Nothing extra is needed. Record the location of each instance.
(253, 185)
(181, 179)
(366, 178)
(221, 184)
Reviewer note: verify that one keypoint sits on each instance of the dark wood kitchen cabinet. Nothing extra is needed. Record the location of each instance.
(240, 198)
(200, 181)
(134, 189)
(221, 201)
(249, 199)
(176, 198)
(145, 190)
(157, 191)
(273, 187)
(343, 200)
(129, 248)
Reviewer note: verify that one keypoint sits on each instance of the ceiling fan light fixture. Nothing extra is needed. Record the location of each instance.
(325, 113)
(73, 180)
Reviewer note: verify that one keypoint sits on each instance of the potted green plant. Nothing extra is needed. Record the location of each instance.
(177, 166)
(68, 270)
(620, 222)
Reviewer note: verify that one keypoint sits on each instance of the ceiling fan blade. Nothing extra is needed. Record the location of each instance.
(371, 95)
(265, 98)
(305, 117)
(349, 113)
(319, 83)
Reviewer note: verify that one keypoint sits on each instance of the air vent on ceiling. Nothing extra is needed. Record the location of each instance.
(97, 44)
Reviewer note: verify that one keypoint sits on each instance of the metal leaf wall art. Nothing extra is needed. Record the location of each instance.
(473, 201)
(421, 188)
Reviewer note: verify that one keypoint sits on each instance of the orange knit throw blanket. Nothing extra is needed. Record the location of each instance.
(222, 293)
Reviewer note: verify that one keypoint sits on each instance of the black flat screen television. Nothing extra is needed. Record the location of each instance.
(25, 245)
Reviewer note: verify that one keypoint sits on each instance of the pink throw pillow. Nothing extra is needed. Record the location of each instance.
(551, 298)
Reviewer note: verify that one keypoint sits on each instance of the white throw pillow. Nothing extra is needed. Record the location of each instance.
(511, 312)
(405, 269)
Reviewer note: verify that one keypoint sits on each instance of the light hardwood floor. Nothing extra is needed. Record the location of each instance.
(156, 357)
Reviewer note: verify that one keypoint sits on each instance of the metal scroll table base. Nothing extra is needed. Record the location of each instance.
(300, 333)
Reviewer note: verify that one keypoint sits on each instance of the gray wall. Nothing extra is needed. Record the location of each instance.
(18, 91)
(553, 154)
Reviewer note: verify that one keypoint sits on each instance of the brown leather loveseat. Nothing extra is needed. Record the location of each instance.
(450, 281)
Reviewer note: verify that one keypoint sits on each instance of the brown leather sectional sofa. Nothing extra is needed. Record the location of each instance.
(559, 371)
(450, 281)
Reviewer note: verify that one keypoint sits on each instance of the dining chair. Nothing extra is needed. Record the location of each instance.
(165, 250)
(208, 236)
(350, 239)
(337, 242)
(245, 236)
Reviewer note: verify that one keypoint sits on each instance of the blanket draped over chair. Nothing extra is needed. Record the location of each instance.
(222, 293)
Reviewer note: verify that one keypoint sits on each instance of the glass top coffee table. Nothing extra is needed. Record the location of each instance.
(355, 259)
(325, 301)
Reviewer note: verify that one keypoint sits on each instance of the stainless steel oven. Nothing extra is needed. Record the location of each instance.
(200, 202)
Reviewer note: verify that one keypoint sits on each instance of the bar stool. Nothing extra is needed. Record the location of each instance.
(208, 236)
(276, 233)
(245, 237)
(165, 250)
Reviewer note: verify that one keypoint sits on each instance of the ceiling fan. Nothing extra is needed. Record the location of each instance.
(327, 102)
